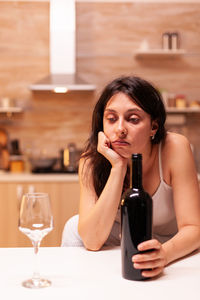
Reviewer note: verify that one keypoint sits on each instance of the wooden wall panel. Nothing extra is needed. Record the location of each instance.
(24, 46)
(108, 34)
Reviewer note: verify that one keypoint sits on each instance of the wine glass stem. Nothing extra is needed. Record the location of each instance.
(36, 274)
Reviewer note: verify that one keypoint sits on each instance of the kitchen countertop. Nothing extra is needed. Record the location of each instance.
(79, 274)
(30, 177)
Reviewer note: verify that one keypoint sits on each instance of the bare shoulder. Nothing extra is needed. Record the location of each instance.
(177, 153)
(84, 162)
(175, 142)
(87, 191)
(85, 170)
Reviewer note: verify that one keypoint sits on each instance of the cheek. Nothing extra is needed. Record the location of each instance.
(107, 129)
(142, 131)
(140, 136)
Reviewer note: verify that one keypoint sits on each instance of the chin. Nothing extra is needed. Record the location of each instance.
(126, 155)
(123, 153)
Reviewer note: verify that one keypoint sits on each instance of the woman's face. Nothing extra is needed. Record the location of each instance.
(127, 125)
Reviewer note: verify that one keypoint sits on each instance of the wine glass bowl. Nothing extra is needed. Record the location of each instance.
(36, 221)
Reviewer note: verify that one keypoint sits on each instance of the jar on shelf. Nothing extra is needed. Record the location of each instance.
(171, 100)
(16, 158)
(70, 161)
(181, 101)
(194, 104)
(16, 163)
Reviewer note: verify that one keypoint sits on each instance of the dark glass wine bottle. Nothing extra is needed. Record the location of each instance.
(136, 220)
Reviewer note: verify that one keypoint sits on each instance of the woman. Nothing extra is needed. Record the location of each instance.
(128, 118)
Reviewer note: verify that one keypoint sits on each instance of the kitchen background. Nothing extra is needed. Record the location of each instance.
(108, 37)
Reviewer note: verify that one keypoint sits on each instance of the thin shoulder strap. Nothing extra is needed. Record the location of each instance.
(160, 162)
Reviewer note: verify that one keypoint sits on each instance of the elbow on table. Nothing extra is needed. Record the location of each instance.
(92, 247)
(90, 243)
(198, 247)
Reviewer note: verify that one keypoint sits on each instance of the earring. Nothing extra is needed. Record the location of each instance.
(152, 137)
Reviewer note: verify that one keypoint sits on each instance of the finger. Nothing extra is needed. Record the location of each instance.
(152, 273)
(102, 137)
(148, 264)
(153, 255)
(148, 245)
(103, 141)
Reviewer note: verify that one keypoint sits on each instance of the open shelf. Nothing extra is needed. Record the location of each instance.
(9, 111)
(160, 52)
(183, 110)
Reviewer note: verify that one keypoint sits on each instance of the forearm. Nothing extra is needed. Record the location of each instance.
(95, 226)
(184, 242)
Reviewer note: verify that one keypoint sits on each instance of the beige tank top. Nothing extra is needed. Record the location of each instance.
(164, 219)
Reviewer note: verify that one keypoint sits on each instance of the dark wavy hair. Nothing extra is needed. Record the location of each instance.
(145, 96)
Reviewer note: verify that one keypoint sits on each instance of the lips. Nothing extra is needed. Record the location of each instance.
(120, 143)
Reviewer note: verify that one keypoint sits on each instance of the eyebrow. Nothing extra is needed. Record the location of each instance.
(129, 110)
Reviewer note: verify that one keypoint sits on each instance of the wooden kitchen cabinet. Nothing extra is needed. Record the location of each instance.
(64, 198)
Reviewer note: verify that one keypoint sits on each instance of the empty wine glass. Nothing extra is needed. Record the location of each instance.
(36, 221)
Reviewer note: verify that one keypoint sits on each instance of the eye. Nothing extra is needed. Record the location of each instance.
(111, 118)
(134, 120)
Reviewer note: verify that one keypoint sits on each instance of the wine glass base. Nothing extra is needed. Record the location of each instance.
(36, 283)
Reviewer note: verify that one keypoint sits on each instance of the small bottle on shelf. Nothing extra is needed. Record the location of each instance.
(174, 40)
(166, 41)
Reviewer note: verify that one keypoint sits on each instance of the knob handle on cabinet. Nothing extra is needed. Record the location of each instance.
(20, 192)
(31, 189)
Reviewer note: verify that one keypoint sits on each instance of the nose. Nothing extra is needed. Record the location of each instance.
(121, 129)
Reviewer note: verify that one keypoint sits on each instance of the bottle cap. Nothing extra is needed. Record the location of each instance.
(136, 156)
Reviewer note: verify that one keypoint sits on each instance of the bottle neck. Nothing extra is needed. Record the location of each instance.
(136, 172)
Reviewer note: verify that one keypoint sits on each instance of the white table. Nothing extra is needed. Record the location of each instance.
(80, 274)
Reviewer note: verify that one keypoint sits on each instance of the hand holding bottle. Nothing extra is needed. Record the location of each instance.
(153, 260)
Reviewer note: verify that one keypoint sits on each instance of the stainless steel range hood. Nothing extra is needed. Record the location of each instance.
(63, 75)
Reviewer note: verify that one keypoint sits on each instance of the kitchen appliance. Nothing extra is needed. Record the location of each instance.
(66, 163)
(62, 75)
(70, 159)
(42, 164)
